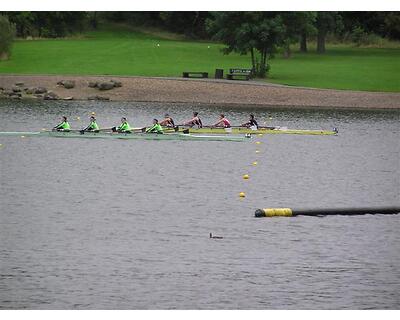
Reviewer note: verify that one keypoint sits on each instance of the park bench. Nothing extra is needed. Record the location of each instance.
(239, 74)
(187, 74)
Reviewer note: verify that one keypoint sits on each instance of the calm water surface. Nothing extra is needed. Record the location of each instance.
(109, 224)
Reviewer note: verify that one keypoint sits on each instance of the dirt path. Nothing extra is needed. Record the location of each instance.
(208, 91)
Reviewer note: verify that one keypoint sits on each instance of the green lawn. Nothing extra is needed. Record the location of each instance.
(119, 52)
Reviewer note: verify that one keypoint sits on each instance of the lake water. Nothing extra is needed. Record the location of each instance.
(124, 224)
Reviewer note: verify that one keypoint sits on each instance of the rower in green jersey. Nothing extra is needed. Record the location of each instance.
(63, 126)
(124, 127)
(93, 126)
(156, 128)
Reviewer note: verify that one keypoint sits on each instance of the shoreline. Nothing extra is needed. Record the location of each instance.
(211, 92)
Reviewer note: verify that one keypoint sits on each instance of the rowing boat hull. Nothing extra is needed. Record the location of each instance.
(259, 131)
(127, 136)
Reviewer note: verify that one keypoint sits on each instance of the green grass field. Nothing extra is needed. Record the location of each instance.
(121, 52)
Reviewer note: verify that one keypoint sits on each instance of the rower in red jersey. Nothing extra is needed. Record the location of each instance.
(222, 122)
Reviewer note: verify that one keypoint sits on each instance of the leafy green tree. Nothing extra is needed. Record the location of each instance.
(257, 33)
(326, 22)
(190, 23)
(7, 34)
(297, 25)
(48, 24)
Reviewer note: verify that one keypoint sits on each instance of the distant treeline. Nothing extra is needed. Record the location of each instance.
(344, 25)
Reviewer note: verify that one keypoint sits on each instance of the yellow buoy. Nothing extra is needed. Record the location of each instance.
(22, 136)
(78, 118)
(257, 151)
(270, 118)
(245, 176)
(258, 142)
(242, 194)
(93, 113)
(260, 134)
(44, 129)
(254, 163)
(1, 145)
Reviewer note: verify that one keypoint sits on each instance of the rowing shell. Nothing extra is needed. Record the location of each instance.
(274, 130)
(143, 136)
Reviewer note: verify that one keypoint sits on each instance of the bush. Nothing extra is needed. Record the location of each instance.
(362, 38)
(7, 34)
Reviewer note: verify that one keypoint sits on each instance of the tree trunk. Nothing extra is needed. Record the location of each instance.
(303, 42)
(253, 61)
(287, 52)
(321, 41)
(263, 69)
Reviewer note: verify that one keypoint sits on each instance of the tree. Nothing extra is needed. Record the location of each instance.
(257, 33)
(7, 34)
(297, 24)
(190, 23)
(48, 24)
(326, 22)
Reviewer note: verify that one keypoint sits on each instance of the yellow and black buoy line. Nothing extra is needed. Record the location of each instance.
(288, 212)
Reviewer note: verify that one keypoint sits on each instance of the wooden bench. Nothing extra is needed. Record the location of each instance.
(187, 74)
(239, 74)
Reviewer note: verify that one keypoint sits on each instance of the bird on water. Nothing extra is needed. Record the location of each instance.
(215, 237)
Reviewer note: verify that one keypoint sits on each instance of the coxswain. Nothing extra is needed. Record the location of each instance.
(124, 127)
(195, 121)
(167, 122)
(63, 126)
(251, 123)
(222, 122)
(93, 126)
(156, 128)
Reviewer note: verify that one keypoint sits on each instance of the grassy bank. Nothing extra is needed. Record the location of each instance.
(122, 52)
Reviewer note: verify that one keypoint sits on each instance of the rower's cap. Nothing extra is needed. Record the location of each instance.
(93, 113)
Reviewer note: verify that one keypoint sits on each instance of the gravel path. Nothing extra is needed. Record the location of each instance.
(209, 91)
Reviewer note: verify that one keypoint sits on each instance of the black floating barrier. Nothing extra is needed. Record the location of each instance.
(287, 212)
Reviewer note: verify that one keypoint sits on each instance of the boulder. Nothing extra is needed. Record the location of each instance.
(16, 89)
(67, 84)
(93, 84)
(19, 84)
(29, 90)
(117, 84)
(51, 96)
(39, 90)
(105, 86)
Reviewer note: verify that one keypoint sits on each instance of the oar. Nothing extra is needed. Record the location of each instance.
(70, 130)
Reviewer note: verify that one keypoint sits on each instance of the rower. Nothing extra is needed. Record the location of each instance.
(167, 122)
(124, 127)
(251, 123)
(222, 122)
(92, 127)
(63, 126)
(156, 128)
(195, 121)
